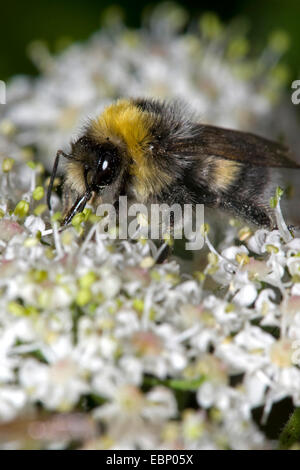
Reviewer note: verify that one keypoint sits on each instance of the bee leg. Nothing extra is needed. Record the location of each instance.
(165, 253)
(248, 211)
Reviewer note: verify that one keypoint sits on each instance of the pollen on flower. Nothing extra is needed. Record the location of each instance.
(7, 164)
(22, 209)
(281, 353)
(40, 209)
(147, 262)
(38, 193)
(87, 280)
(16, 309)
(130, 399)
(244, 233)
(31, 241)
(242, 258)
(83, 296)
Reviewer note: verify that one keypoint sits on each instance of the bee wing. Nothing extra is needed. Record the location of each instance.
(241, 147)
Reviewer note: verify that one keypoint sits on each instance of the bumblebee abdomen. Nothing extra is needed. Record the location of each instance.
(218, 173)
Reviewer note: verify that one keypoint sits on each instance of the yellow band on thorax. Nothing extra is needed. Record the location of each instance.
(124, 123)
(127, 122)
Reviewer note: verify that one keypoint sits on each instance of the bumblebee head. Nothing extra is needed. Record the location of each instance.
(98, 163)
(92, 167)
(116, 150)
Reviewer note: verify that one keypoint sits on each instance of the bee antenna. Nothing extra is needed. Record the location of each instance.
(59, 154)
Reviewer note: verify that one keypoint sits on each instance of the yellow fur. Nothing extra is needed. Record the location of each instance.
(74, 177)
(123, 122)
(225, 173)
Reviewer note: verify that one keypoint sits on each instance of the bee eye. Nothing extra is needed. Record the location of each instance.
(107, 169)
(105, 173)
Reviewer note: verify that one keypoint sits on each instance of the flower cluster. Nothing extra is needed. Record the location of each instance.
(94, 331)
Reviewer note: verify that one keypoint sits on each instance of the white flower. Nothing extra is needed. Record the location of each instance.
(12, 402)
(34, 224)
(248, 351)
(246, 295)
(130, 414)
(59, 385)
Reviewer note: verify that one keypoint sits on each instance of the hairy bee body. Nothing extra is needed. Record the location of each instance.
(155, 151)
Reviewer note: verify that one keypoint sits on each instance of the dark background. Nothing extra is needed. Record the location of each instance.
(60, 21)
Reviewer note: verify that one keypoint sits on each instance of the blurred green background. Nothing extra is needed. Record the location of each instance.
(61, 21)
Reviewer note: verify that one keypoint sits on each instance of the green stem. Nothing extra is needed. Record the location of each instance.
(176, 384)
(290, 434)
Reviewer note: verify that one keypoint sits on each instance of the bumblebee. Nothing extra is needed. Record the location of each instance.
(156, 152)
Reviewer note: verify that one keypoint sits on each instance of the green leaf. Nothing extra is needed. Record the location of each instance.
(185, 384)
(291, 432)
(273, 202)
(279, 192)
(177, 384)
